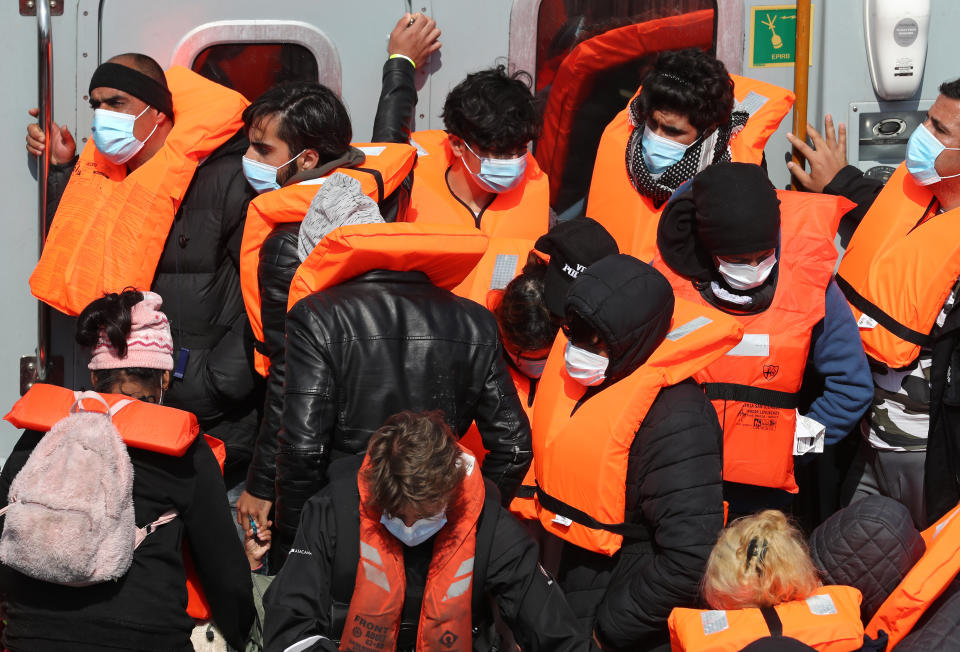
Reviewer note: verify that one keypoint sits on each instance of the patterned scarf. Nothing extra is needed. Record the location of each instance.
(706, 150)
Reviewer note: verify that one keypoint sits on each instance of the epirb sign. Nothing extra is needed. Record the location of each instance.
(773, 35)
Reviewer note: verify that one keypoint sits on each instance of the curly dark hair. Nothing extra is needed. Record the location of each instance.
(311, 117)
(523, 316)
(414, 462)
(110, 315)
(493, 110)
(690, 82)
(951, 89)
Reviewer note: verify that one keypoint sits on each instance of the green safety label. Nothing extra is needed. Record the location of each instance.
(773, 35)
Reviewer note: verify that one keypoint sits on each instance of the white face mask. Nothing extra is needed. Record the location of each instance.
(584, 367)
(742, 276)
(420, 531)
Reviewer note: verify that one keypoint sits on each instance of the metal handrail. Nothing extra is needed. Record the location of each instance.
(45, 106)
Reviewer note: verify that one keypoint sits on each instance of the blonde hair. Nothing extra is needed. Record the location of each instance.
(759, 561)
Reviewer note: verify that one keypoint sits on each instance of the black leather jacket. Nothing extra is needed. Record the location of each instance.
(378, 344)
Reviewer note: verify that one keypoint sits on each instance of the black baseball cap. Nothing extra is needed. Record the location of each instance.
(573, 246)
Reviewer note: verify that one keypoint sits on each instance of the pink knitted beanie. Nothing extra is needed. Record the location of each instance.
(149, 344)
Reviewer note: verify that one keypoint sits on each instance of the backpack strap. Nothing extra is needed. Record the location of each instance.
(80, 397)
(142, 532)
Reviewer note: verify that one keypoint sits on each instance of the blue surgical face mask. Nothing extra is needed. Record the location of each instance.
(585, 367)
(262, 176)
(529, 367)
(660, 153)
(498, 174)
(923, 148)
(415, 534)
(113, 135)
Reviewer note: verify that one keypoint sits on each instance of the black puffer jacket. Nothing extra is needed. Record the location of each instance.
(673, 472)
(198, 276)
(378, 344)
(872, 545)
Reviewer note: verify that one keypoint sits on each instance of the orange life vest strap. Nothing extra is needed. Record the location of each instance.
(751, 394)
(446, 253)
(877, 313)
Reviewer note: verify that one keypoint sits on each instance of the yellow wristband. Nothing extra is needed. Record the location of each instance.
(403, 56)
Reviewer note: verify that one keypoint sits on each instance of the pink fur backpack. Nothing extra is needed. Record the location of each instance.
(70, 515)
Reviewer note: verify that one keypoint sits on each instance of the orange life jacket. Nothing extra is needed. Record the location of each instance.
(446, 611)
(522, 505)
(755, 386)
(898, 271)
(444, 252)
(385, 167)
(577, 74)
(502, 262)
(523, 212)
(925, 582)
(151, 427)
(110, 227)
(829, 620)
(631, 218)
(580, 457)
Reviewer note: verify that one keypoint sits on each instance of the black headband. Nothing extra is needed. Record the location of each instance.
(128, 80)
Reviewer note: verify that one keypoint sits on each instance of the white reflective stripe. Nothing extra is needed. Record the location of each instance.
(459, 587)
(562, 520)
(752, 345)
(714, 621)
(945, 523)
(305, 644)
(372, 151)
(313, 182)
(867, 322)
(369, 552)
(420, 150)
(469, 461)
(691, 326)
(504, 269)
(376, 576)
(752, 103)
(821, 605)
(465, 568)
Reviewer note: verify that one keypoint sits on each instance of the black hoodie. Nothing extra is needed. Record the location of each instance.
(673, 473)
